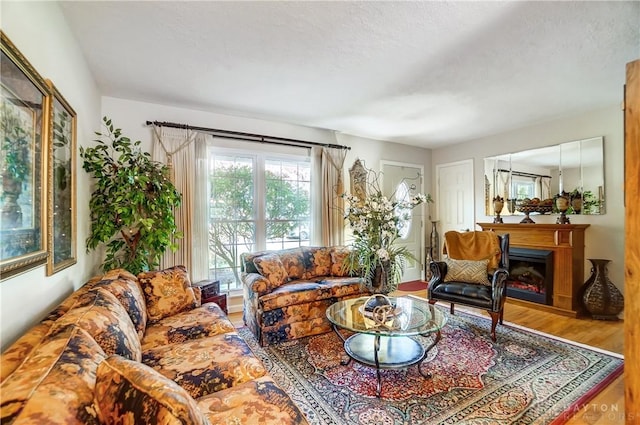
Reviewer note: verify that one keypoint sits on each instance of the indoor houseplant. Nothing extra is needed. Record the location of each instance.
(376, 222)
(132, 205)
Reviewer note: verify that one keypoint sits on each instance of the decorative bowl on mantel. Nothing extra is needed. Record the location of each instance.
(528, 206)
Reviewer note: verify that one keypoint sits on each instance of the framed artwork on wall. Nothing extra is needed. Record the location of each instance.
(23, 182)
(61, 209)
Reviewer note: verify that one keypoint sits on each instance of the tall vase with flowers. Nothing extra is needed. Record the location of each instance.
(377, 223)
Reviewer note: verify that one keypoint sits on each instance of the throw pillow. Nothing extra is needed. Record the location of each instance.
(292, 260)
(102, 316)
(467, 271)
(129, 392)
(272, 269)
(167, 292)
(129, 293)
(338, 261)
(317, 262)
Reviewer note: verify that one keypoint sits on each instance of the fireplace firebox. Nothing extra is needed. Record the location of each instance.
(531, 275)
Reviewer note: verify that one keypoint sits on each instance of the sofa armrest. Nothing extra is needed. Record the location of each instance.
(197, 291)
(255, 282)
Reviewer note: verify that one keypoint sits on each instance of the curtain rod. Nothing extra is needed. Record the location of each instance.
(521, 174)
(249, 137)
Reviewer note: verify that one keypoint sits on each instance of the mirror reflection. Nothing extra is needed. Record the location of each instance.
(528, 182)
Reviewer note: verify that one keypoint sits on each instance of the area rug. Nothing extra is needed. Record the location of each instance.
(413, 285)
(524, 378)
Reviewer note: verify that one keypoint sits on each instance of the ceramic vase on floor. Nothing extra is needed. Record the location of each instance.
(600, 296)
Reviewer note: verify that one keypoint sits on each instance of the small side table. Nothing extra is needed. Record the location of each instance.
(211, 293)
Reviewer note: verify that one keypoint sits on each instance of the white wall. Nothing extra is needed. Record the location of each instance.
(40, 32)
(131, 116)
(605, 236)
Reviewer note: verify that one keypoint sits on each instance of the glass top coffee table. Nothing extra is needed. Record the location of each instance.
(387, 342)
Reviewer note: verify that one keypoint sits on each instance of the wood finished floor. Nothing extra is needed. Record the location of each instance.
(607, 407)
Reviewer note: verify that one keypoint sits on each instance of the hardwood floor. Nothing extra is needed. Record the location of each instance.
(607, 407)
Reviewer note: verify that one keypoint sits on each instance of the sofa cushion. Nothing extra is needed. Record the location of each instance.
(203, 321)
(317, 262)
(19, 350)
(467, 271)
(293, 262)
(167, 292)
(206, 365)
(129, 293)
(339, 255)
(55, 385)
(129, 392)
(303, 291)
(16, 354)
(272, 269)
(288, 331)
(254, 402)
(103, 317)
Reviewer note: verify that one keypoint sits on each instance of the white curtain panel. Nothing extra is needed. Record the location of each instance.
(332, 203)
(200, 222)
(503, 189)
(176, 148)
(546, 188)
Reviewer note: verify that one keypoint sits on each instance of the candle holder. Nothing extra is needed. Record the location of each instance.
(562, 204)
(498, 205)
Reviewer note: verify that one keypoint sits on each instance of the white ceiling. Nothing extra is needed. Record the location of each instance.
(421, 73)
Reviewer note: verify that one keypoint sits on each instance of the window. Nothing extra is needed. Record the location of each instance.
(523, 187)
(403, 195)
(256, 202)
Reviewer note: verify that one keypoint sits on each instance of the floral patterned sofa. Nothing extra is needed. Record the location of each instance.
(287, 292)
(137, 350)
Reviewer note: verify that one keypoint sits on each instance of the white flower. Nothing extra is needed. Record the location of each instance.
(383, 254)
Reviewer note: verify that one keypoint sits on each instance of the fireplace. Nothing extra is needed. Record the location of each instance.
(531, 275)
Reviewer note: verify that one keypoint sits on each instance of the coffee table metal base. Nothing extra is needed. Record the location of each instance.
(384, 352)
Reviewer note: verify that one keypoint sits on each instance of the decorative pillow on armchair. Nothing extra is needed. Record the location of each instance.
(167, 292)
(131, 392)
(467, 271)
(272, 269)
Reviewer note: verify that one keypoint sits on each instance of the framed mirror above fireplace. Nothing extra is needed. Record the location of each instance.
(574, 168)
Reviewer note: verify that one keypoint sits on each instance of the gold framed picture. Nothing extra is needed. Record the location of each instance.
(61, 223)
(23, 94)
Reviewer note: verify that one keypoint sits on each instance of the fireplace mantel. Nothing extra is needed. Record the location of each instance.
(567, 243)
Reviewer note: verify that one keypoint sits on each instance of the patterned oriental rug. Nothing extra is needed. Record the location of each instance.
(525, 378)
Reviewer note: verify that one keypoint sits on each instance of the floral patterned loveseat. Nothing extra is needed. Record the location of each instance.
(287, 292)
(138, 350)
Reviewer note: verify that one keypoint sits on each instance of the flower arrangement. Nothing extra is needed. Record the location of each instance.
(377, 223)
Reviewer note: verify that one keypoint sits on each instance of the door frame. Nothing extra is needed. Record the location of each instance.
(423, 248)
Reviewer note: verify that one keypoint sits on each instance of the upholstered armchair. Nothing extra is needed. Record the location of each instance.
(474, 273)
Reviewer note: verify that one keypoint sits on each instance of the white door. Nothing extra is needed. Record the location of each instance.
(400, 180)
(455, 198)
